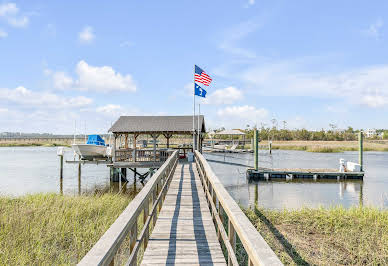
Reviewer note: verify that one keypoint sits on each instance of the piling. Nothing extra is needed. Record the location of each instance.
(256, 147)
(257, 195)
(270, 147)
(61, 167)
(79, 178)
(360, 149)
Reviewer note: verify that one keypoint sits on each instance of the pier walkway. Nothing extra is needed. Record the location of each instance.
(183, 215)
(184, 232)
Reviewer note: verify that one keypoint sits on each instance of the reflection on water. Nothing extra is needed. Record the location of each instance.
(27, 170)
(372, 191)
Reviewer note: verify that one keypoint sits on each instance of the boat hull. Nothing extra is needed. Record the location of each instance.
(89, 151)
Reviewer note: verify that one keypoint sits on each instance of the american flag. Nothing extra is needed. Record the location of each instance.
(201, 76)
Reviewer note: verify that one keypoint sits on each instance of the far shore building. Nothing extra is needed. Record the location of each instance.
(370, 132)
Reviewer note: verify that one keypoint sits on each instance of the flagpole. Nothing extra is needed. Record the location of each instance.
(199, 114)
(194, 113)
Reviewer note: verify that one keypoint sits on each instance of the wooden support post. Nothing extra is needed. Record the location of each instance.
(167, 136)
(232, 239)
(270, 147)
(126, 141)
(114, 148)
(154, 136)
(134, 146)
(360, 150)
(256, 148)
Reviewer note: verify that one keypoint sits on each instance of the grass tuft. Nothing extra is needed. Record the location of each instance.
(334, 236)
(50, 229)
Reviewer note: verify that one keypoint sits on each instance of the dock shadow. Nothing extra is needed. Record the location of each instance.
(291, 251)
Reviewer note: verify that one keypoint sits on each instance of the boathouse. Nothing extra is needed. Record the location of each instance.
(127, 129)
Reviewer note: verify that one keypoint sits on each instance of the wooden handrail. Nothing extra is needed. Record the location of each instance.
(258, 251)
(104, 251)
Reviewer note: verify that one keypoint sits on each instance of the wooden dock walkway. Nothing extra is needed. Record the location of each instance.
(181, 216)
(184, 232)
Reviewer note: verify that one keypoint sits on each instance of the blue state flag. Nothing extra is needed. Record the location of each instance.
(199, 91)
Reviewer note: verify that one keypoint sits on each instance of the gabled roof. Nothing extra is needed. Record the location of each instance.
(157, 124)
(230, 132)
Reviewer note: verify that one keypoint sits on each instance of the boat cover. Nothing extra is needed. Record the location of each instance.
(95, 140)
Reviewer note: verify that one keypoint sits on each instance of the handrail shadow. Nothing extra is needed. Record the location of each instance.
(291, 251)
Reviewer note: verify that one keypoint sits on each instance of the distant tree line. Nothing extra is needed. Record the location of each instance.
(304, 134)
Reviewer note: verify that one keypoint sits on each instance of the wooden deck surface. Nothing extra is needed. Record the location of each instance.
(184, 232)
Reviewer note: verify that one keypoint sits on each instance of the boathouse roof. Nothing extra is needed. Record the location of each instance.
(230, 132)
(157, 124)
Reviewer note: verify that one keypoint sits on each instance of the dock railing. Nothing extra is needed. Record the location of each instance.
(126, 225)
(222, 207)
(142, 155)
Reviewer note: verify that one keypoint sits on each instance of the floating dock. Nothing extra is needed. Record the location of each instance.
(300, 173)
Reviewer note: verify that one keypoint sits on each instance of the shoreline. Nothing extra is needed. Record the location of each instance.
(308, 146)
(34, 145)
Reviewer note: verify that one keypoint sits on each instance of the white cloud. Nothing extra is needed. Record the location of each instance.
(11, 14)
(374, 29)
(227, 95)
(3, 34)
(375, 99)
(103, 79)
(19, 22)
(28, 98)
(366, 86)
(62, 81)
(8, 9)
(243, 114)
(92, 78)
(251, 2)
(86, 35)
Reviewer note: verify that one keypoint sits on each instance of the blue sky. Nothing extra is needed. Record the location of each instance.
(309, 63)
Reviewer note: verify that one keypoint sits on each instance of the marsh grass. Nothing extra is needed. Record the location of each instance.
(327, 146)
(335, 236)
(50, 229)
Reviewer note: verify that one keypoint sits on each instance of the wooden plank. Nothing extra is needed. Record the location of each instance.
(106, 247)
(184, 232)
(254, 244)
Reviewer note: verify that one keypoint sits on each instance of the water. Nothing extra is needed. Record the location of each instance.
(372, 191)
(27, 170)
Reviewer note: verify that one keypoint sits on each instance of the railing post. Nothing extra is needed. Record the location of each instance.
(145, 216)
(232, 239)
(220, 214)
(133, 238)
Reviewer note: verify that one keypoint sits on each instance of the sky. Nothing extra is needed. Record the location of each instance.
(69, 66)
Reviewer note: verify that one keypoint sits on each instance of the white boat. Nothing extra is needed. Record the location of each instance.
(94, 148)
